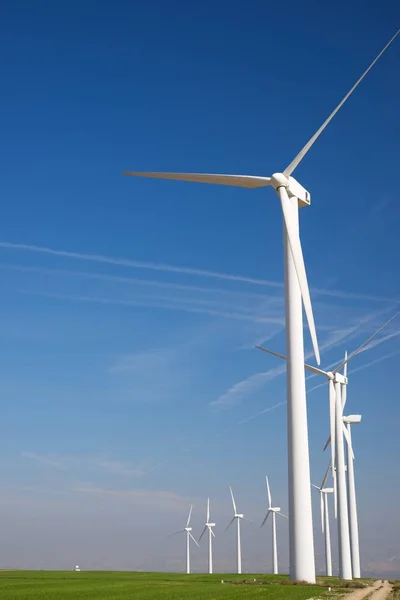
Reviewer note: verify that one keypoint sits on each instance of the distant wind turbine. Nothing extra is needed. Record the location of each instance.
(291, 195)
(325, 525)
(353, 518)
(189, 536)
(211, 534)
(273, 510)
(237, 517)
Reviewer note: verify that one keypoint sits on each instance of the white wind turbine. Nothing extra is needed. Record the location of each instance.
(338, 430)
(323, 495)
(189, 536)
(292, 195)
(237, 517)
(273, 510)
(353, 517)
(211, 534)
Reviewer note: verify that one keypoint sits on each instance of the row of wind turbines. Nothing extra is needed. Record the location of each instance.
(293, 195)
(237, 517)
(341, 468)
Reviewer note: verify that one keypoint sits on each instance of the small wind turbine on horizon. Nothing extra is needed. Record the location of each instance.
(325, 525)
(211, 534)
(292, 195)
(189, 536)
(338, 430)
(273, 510)
(237, 517)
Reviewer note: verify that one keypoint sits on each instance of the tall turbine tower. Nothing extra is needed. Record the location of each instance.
(237, 517)
(291, 195)
(211, 534)
(273, 510)
(325, 525)
(353, 518)
(189, 536)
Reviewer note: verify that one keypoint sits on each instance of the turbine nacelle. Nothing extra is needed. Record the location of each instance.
(275, 509)
(239, 516)
(210, 524)
(327, 490)
(188, 529)
(352, 419)
(293, 188)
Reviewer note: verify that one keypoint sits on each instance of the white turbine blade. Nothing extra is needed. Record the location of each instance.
(243, 181)
(230, 523)
(195, 541)
(269, 493)
(208, 509)
(203, 532)
(344, 387)
(321, 499)
(297, 255)
(190, 514)
(233, 500)
(212, 533)
(366, 341)
(316, 487)
(289, 170)
(326, 475)
(265, 519)
(176, 532)
(283, 357)
(246, 519)
(332, 423)
(335, 495)
(282, 514)
(348, 440)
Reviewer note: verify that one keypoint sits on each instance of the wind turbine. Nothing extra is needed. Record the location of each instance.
(274, 510)
(292, 195)
(211, 534)
(353, 518)
(237, 517)
(338, 429)
(189, 536)
(323, 495)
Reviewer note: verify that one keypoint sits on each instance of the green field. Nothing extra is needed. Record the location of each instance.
(101, 585)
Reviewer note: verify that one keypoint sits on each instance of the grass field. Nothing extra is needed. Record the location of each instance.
(101, 585)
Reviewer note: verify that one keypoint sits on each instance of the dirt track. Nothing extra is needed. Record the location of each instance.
(379, 591)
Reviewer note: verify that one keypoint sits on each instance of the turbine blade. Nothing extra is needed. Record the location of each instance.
(212, 533)
(332, 419)
(282, 515)
(335, 495)
(283, 357)
(203, 532)
(321, 498)
(246, 519)
(367, 341)
(316, 487)
(176, 532)
(243, 181)
(328, 441)
(208, 509)
(289, 170)
(297, 255)
(230, 523)
(326, 475)
(265, 519)
(348, 440)
(190, 514)
(344, 387)
(233, 500)
(268, 493)
(195, 541)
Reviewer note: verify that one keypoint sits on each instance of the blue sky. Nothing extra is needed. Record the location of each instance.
(130, 308)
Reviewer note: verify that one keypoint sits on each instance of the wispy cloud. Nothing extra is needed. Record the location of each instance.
(149, 498)
(90, 464)
(137, 264)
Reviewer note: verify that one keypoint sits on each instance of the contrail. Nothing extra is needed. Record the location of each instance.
(137, 264)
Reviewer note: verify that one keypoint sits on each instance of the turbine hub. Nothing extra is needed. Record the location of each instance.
(293, 188)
